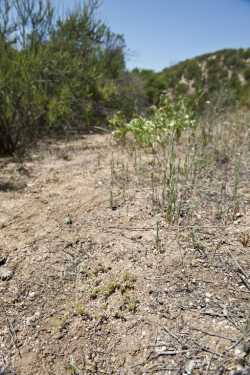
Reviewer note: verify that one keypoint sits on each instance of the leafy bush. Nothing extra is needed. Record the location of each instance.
(246, 73)
(181, 89)
(154, 84)
(247, 54)
(192, 69)
(234, 81)
(223, 74)
(164, 123)
(58, 76)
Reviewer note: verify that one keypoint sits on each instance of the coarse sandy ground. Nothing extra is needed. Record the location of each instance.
(95, 292)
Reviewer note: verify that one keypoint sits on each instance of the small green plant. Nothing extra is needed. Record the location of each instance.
(194, 237)
(118, 314)
(191, 211)
(123, 285)
(71, 367)
(61, 322)
(236, 203)
(42, 154)
(68, 219)
(79, 309)
(110, 289)
(93, 292)
(103, 317)
(127, 172)
(131, 303)
(100, 269)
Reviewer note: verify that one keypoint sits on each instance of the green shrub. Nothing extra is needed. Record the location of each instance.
(165, 122)
(246, 73)
(58, 76)
(192, 69)
(247, 54)
(234, 81)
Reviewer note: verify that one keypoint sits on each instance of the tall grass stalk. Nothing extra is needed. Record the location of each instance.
(111, 199)
(152, 186)
(157, 240)
(237, 174)
(127, 172)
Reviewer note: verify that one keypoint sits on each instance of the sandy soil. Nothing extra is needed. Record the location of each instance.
(85, 287)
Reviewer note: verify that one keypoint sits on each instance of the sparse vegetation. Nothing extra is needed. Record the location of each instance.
(164, 200)
(219, 69)
(61, 322)
(68, 219)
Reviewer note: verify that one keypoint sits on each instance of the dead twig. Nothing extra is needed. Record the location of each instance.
(11, 329)
(212, 334)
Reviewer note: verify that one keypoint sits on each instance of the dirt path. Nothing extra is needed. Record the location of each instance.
(86, 287)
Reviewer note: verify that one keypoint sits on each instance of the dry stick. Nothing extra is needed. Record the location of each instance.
(12, 331)
(166, 353)
(153, 347)
(112, 347)
(207, 350)
(212, 334)
(182, 227)
(171, 334)
(99, 127)
(160, 368)
(237, 263)
(227, 316)
(234, 345)
(56, 354)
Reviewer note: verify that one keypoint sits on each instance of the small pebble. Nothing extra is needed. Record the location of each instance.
(6, 274)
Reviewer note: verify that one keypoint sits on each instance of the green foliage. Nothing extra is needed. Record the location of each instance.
(233, 60)
(61, 322)
(234, 81)
(215, 68)
(154, 84)
(55, 76)
(164, 123)
(79, 309)
(130, 302)
(246, 73)
(125, 283)
(68, 219)
(64, 73)
(193, 70)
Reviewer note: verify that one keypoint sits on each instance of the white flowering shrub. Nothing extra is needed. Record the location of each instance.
(165, 122)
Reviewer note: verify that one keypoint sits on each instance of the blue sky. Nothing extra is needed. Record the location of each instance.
(162, 32)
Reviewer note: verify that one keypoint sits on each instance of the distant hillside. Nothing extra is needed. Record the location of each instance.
(226, 71)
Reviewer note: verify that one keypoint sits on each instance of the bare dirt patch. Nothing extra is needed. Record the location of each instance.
(86, 285)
